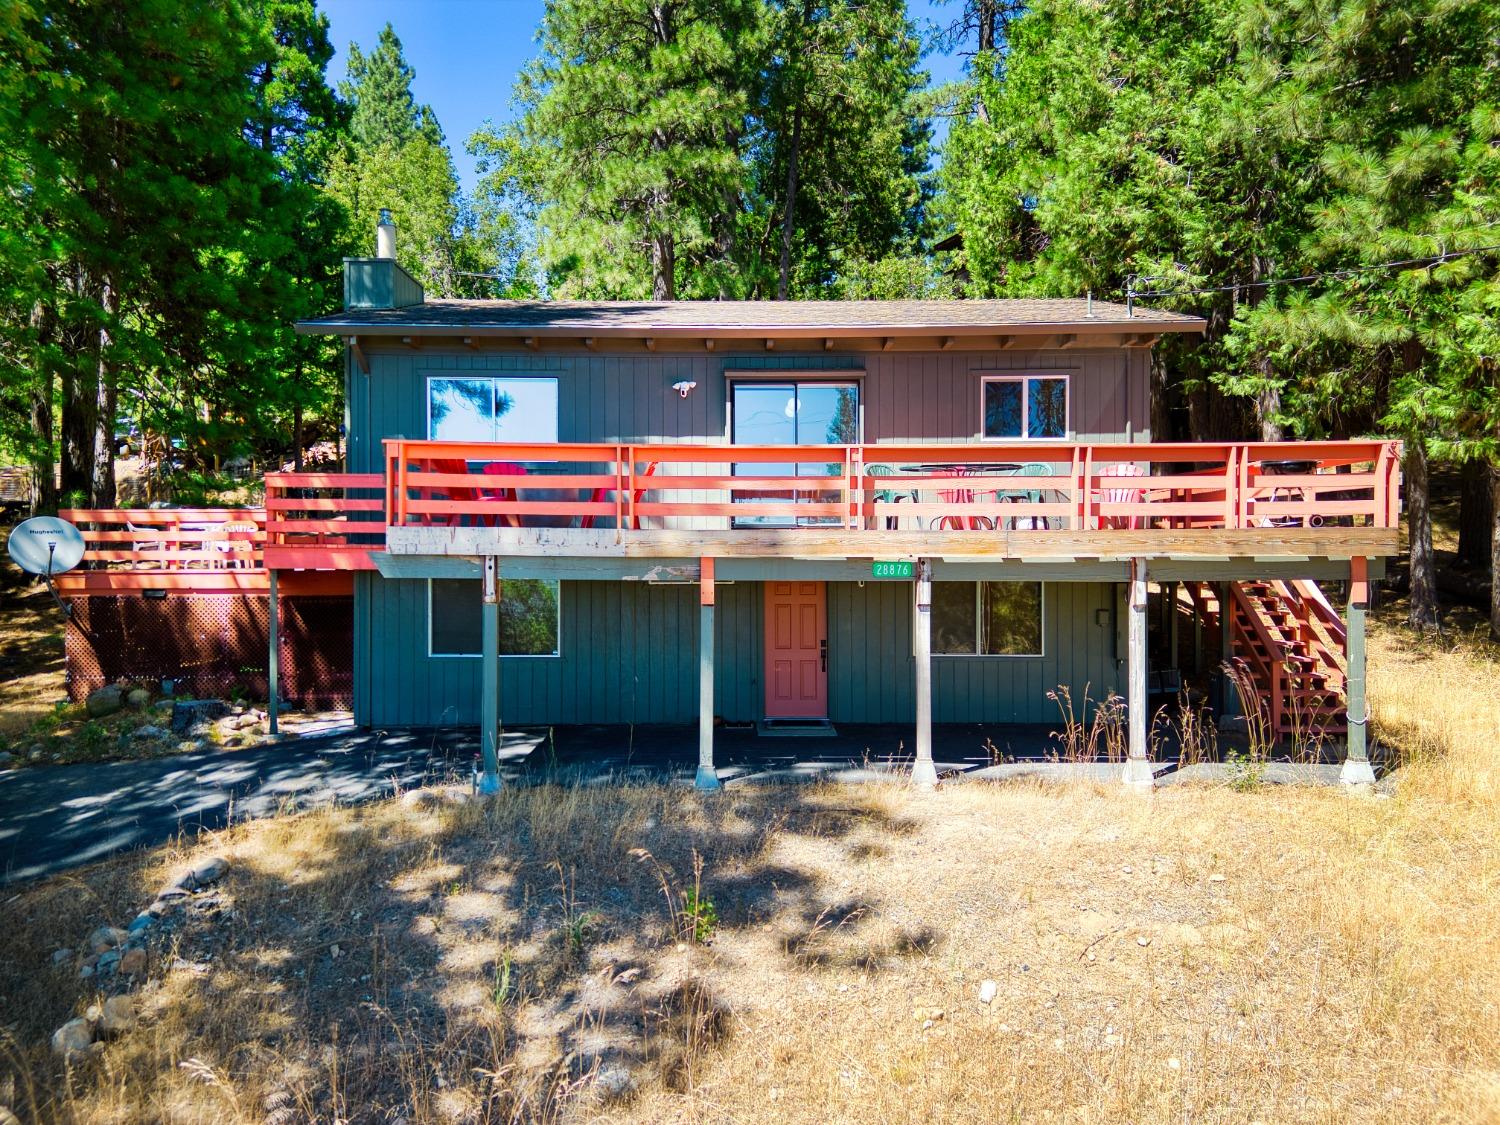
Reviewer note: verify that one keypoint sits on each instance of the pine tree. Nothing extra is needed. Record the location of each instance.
(627, 152)
(839, 155)
(398, 159)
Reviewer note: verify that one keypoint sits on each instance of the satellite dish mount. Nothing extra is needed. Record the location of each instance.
(44, 546)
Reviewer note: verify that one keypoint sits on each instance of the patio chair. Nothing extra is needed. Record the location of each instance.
(888, 495)
(446, 465)
(600, 495)
(1024, 496)
(1122, 496)
(236, 540)
(141, 547)
(500, 469)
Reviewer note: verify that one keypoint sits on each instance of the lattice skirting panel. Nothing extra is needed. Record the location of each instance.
(214, 645)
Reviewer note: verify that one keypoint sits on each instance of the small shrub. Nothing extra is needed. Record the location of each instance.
(699, 914)
(92, 737)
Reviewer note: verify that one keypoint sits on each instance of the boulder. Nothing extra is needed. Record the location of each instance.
(142, 734)
(138, 698)
(62, 956)
(104, 701)
(5, 756)
(118, 1015)
(200, 875)
(105, 938)
(73, 1039)
(194, 716)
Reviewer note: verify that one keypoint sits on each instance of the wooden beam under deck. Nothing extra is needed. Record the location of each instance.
(1261, 544)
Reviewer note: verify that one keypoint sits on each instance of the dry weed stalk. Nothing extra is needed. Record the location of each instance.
(1087, 728)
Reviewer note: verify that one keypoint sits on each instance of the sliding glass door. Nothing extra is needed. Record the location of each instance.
(793, 413)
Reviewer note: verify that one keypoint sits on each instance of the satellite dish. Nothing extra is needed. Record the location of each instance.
(46, 545)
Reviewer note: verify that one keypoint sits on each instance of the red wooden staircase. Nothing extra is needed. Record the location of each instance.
(1293, 642)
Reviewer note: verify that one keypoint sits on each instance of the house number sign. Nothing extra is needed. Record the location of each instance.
(900, 568)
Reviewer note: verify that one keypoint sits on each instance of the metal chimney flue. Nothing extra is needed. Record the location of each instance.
(385, 235)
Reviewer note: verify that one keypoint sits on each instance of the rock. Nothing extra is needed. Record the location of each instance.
(5, 757)
(211, 870)
(334, 951)
(1216, 878)
(133, 964)
(987, 990)
(106, 937)
(73, 1039)
(1142, 940)
(421, 799)
(139, 698)
(108, 960)
(141, 734)
(140, 924)
(104, 701)
(614, 1081)
(1174, 1064)
(61, 956)
(188, 715)
(35, 754)
(118, 1015)
(245, 721)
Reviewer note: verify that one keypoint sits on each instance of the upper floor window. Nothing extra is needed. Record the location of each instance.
(465, 408)
(1024, 406)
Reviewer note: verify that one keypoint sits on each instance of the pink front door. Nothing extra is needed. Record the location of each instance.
(796, 651)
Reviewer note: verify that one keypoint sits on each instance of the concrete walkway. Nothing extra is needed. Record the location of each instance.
(57, 817)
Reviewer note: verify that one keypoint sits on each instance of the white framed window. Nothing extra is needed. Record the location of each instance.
(530, 617)
(1024, 407)
(491, 408)
(987, 618)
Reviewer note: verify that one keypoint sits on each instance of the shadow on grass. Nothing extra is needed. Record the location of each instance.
(527, 957)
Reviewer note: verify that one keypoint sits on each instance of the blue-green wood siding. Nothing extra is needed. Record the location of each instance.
(629, 654)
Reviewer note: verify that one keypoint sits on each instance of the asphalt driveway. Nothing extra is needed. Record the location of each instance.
(58, 817)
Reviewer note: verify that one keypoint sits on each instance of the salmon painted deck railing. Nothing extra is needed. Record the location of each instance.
(310, 521)
(333, 521)
(1036, 486)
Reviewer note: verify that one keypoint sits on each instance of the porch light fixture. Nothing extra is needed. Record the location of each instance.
(683, 388)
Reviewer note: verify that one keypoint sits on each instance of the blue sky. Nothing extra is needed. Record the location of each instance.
(466, 53)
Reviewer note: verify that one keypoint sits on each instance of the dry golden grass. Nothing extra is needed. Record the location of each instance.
(495, 962)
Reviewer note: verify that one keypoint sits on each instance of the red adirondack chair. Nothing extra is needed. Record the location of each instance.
(599, 495)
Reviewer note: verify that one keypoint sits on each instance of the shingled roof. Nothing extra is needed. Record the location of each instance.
(750, 318)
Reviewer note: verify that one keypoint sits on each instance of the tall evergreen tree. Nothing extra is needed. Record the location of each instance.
(839, 156)
(398, 159)
(627, 151)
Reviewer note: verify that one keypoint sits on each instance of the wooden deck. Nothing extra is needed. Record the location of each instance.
(1034, 501)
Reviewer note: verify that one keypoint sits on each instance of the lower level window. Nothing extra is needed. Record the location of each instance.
(530, 614)
(987, 618)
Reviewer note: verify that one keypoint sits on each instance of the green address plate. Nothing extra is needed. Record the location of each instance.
(898, 568)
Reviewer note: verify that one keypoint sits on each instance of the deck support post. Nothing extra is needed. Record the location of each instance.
(708, 776)
(923, 772)
(489, 672)
(1230, 708)
(1357, 769)
(1137, 765)
(273, 657)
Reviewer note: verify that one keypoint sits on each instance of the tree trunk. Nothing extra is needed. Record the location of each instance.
(663, 267)
(297, 436)
(102, 484)
(1495, 552)
(1423, 591)
(43, 498)
(789, 213)
(80, 385)
(1476, 516)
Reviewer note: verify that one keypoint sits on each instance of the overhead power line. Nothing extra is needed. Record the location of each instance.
(1131, 292)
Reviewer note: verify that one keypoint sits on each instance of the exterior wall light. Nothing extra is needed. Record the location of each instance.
(683, 388)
